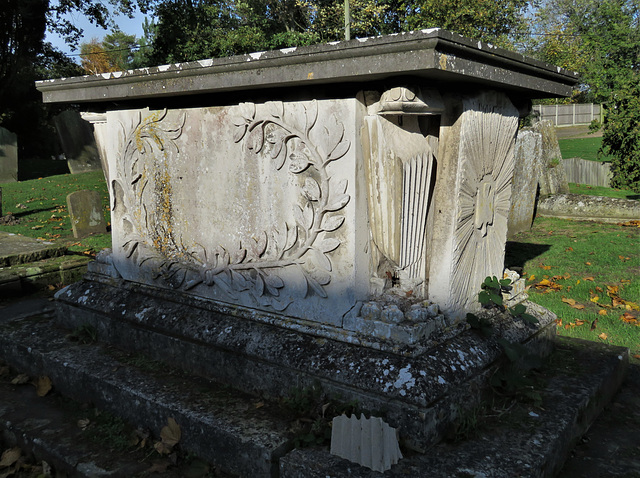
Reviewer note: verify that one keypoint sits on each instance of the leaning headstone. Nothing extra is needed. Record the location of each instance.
(8, 156)
(85, 210)
(528, 164)
(553, 179)
(78, 143)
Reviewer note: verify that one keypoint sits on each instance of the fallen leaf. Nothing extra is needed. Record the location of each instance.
(43, 385)
(590, 278)
(594, 324)
(83, 423)
(10, 456)
(602, 312)
(628, 318)
(171, 433)
(588, 263)
(598, 288)
(546, 268)
(579, 322)
(612, 290)
(632, 223)
(532, 277)
(162, 448)
(566, 276)
(578, 282)
(20, 379)
(637, 356)
(259, 404)
(602, 336)
(595, 299)
(571, 302)
(569, 249)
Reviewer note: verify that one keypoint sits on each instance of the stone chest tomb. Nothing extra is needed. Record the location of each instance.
(325, 213)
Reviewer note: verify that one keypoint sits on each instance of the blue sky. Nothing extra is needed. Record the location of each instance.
(131, 26)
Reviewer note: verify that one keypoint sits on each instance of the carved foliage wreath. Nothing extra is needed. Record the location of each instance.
(252, 268)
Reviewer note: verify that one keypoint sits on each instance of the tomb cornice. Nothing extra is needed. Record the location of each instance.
(435, 55)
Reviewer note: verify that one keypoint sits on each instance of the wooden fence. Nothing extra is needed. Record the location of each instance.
(569, 115)
(581, 171)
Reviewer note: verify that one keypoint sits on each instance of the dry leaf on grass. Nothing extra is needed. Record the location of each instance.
(572, 303)
(602, 336)
(10, 456)
(170, 435)
(43, 385)
(83, 423)
(20, 379)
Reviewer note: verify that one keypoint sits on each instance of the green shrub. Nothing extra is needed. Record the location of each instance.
(621, 135)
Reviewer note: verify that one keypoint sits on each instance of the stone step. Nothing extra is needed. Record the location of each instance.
(527, 441)
(17, 249)
(236, 432)
(64, 269)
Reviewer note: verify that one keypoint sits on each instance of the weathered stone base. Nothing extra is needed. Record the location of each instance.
(421, 394)
(525, 442)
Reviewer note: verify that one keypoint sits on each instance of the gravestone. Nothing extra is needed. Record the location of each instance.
(312, 215)
(78, 143)
(528, 165)
(553, 179)
(8, 156)
(85, 211)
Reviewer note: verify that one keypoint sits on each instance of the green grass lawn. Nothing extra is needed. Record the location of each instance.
(585, 148)
(41, 206)
(587, 273)
(602, 191)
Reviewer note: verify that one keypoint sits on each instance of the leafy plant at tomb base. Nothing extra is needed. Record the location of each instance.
(312, 411)
(491, 294)
(513, 377)
(587, 274)
(85, 334)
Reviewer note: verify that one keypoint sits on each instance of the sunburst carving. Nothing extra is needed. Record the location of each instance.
(487, 160)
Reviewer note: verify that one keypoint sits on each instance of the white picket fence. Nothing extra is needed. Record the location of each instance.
(570, 115)
(581, 171)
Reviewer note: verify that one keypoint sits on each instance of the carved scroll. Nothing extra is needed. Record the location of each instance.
(400, 162)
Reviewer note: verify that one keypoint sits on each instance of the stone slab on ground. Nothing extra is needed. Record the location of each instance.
(225, 428)
(610, 449)
(17, 249)
(55, 270)
(589, 208)
(40, 427)
(524, 442)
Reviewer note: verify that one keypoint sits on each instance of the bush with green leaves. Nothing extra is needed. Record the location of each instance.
(621, 135)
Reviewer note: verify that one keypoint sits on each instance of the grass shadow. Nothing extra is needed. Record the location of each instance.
(34, 168)
(518, 253)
